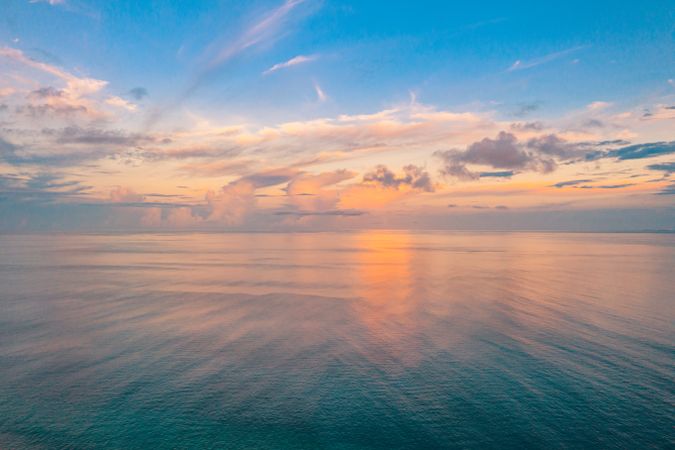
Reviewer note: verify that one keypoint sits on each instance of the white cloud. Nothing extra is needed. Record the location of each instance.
(320, 94)
(520, 64)
(121, 103)
(291, 62)
(597, 106)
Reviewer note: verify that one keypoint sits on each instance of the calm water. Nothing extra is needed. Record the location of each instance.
(370, 340)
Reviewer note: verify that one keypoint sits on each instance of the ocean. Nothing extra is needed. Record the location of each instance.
(374, 339)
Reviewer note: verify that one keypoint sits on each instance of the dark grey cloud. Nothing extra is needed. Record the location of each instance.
(563, 184)
(414, 176)
(668, 190)
(499, 174)
(266, 179)
(608, 186)
(636, 151)
(503, 152)
(39, 111)
(95, 136)
(527, 126)
(46, 92)
(668, 167)
(553, 145)
(593, 123)
(541, 154)
(526, 108)
(43, 187)
(138, 93)
(17, 155)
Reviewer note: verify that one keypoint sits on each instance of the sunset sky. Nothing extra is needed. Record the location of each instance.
(325, 114)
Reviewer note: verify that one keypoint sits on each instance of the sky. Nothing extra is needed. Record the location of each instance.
(292, 115)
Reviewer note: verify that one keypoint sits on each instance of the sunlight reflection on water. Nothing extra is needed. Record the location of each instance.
(336, 340)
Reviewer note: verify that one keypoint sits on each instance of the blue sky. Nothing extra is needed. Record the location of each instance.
(587, 71)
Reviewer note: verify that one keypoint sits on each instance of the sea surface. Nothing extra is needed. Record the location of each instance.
(337, 340)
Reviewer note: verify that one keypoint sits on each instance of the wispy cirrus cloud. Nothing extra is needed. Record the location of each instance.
(267, 28)
(320, 94)
(300, 59)
(528, 64)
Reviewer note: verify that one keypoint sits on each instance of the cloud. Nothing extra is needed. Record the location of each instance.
(563, 184)
(290, 63)
(637, 151)
(262, 30)
(593, 123)
(527, 126)
(521, 65)
(553, 145)
(138, 93)
(320, 94)
(668, 167)
(413, 176)
(526, 108)
(232, 204)
(540, 154)
(21, 155)
(51, 2)
(78, 135)
(269, 178)
(499, 174)
(503, 152)
(217, 54)
(597, 106)
(47, 92)
(125, 195)
(40, 187)
(75, 86)
(120, 103)
(73, 98)
(608, 186)
(316, 192)
(668, 190)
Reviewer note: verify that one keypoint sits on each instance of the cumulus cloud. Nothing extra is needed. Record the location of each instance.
(413, 176)
(122, 194)
(73, 97)
(232, 204)
(316, 192)
(503, 152)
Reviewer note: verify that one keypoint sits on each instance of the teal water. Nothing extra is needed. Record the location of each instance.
(337, 340)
